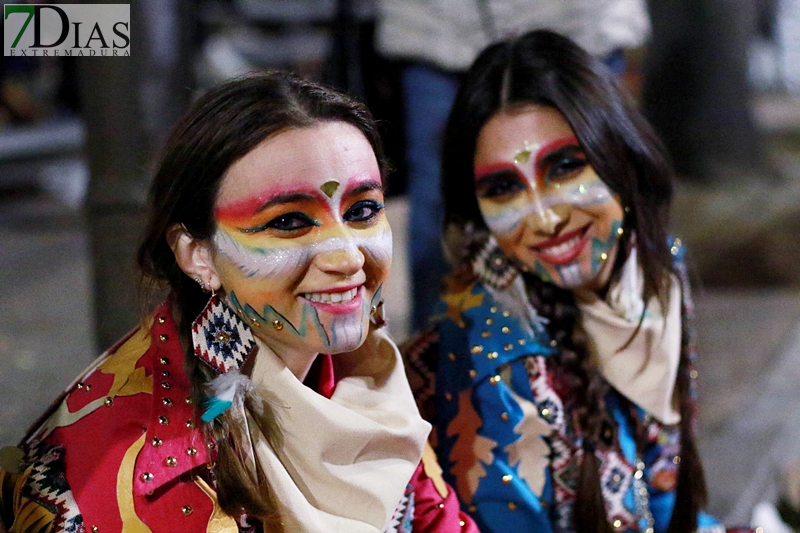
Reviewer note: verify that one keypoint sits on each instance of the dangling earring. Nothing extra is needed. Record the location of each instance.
(493, 267)
(377, 314)
(220, 338)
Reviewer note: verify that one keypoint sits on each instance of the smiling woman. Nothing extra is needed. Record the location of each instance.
(559, 372)
(264, 394)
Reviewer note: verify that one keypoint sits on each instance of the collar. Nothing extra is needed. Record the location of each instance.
(174, 443)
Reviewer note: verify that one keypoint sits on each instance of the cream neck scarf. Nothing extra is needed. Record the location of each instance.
(345, 462)
(645, 370)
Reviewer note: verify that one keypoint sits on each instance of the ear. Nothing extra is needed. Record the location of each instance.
(193, 256)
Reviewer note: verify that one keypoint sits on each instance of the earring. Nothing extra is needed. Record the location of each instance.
(493, 267)
(377, 314)
(220, 338)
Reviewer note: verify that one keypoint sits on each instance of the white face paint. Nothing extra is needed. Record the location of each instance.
(302, 239)
(543, 201)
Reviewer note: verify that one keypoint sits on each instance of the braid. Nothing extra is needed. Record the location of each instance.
(586, 396)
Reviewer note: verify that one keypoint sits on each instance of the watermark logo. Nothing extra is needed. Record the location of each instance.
(82, 30)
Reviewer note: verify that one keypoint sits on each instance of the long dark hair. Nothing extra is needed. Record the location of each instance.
(544, 68)
(222, 126)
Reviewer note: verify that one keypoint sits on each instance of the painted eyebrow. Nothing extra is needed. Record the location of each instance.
(286, 198)
(553, 149)
(485, 171)
(365, 187)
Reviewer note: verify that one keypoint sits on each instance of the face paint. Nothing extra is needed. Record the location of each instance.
(543, 201)
(301, 255)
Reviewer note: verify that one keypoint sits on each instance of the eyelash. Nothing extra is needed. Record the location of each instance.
(500, 186)
(565, 166)
(287, 222)
(297, 221)
(374, 205)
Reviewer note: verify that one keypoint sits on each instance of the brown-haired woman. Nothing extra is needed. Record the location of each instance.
(220, 413)
(559, 375)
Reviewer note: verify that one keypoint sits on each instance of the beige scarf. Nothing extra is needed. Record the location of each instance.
(645, 370)
(345, 461)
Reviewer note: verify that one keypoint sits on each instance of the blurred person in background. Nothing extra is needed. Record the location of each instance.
(559, 372)
(224, 411)
(440, 39)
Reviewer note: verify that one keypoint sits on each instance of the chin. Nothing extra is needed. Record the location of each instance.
(346, 334)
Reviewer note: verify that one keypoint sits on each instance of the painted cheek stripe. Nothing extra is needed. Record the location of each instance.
(595, 193)
(278, 262)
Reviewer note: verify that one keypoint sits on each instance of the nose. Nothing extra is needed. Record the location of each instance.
(548, 221)
(339, 255)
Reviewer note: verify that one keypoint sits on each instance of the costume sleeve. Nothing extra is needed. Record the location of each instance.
(436, 507)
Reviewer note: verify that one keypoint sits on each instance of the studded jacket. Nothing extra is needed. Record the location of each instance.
(121, 450)
(504, 432)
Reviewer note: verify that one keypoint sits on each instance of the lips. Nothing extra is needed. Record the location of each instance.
(564, 248)
(338, 300)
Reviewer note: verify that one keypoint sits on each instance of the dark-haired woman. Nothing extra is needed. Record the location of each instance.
(559, 376)
(220, 414)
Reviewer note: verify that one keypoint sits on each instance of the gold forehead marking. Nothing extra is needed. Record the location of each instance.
(329, 188)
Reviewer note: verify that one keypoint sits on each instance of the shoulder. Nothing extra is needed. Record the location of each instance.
(121, 443)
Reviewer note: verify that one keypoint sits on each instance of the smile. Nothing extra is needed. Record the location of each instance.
(564, 248)
(331, 297)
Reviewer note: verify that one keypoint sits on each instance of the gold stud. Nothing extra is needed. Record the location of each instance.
(448, 396)
(638, 474)
(147, 477)
(492, 355)
(494, 380)
(255, 322)
(187, 510)
(473, 373)
(477, 349)
(165, 373)
(521, 342)
(277, 324)
(223, 336)
(493, 309)
(506, 314)
(165, 385)
(163, 420)
(94, 529)
(620, 231)
(191, 452)
(545, 412)
(167, 401)
(87, 387)
(693, 374)
(164, 361)
(171, 461)
(512, 506)
(163, 337)
(108, 402)
(506, 329)
(211, 445)
(156, 442)
(190, 424)
(189, 400)
(451, 356)
(440, 506)
(676, 460)
(603, 256)
(80, 385)
(462, 523)
(504, 416)
(486, 334)
(553, 343)
(489, 321)
(161, 320)
(508, 347)
(507, 479)
(617, 523)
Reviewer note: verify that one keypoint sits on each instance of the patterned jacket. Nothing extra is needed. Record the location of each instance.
(504, 431)
(121, 450)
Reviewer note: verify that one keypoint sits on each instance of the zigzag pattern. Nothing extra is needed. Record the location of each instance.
(48, 487)
(221, 339)
(403, 517)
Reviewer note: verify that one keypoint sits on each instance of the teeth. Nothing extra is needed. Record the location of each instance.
(331, 297)
(559, 249)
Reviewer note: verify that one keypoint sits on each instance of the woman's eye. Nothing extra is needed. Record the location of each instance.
(286, 222)
(363, 211)
(564, 167)
(499, 187)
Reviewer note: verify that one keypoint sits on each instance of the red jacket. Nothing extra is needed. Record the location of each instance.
(122, 450)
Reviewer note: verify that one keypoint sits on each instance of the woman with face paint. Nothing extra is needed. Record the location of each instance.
(263, 394)
(559, 375)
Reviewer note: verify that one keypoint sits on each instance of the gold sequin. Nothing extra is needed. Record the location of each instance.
(521, 342)
(693, 374)
(493, 309)
(603, 256)
(451, 356)
(506, 329)
(507, 479)
(506, 314)
(508, 347)
(676, 460)
(492, 355)
(473, 373)
(223, 336)
(448, 396)
(489, 321)
(486, 334)
(617, 523)
(504, 416)
(477, 349)
(545, 412)
(512, 506)
(553, 343)
(494, 380)
(462, 523)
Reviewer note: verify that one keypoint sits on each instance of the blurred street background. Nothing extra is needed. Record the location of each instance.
(720, 79)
